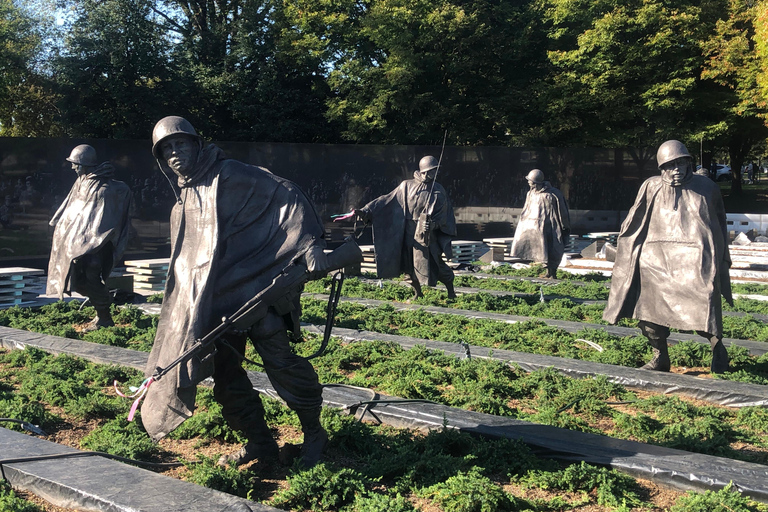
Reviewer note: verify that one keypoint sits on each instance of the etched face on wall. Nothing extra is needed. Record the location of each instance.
(180, 153)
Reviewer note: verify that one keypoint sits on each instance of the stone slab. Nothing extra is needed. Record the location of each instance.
(101, 484)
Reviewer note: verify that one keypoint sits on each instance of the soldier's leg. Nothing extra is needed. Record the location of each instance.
(552, 268)
(720, 362)
(412, 280)
(87, 281)
(241, 405)
(295, 380)
(444, 272)
(657, 338)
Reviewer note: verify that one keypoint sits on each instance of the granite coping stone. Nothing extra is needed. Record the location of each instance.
(101, 484)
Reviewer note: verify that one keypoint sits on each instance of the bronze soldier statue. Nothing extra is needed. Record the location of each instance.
(672, 259)
(234, 228)
(412, 228)
(90, 235)
(544, 225)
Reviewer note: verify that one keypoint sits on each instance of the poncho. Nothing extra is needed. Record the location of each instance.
(672, 257)
(93, 215)
(236, 227)
(539, 233)
(394, 217)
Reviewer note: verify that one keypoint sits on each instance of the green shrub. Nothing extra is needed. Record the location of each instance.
(207, 422)
(225, 479)
(374, 502)
(727, 499)
(322, 488)
(612, 488)
(20, 407)
(122, 438)
(470, 492)
(10, 502)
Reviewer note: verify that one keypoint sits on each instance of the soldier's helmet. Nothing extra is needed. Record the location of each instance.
(168, 126)
(671, 150)
(427, 163)
(535, 176)
(83, 155)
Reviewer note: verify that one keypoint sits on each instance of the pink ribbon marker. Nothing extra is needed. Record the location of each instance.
(343, 216)
(138, 394)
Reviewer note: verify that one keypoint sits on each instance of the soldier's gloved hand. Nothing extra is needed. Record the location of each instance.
(363, 216)
(317, 262)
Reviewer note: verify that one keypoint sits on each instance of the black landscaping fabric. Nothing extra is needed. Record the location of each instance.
(98, 483)
(665, 466)
(756, 348)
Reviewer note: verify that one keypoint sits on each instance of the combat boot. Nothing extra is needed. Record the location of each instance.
(315, 437)
(657, 339)
(660, 361)
(451, 290)
(264, 451)
(103, 319)
(719, 357)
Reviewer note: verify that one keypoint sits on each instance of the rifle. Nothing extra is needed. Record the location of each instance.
(424, 224)
(278, 294)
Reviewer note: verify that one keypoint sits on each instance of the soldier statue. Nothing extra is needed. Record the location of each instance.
(544, 225)
(412, 229)
(90, 235)
(234, 228)
(672, 259)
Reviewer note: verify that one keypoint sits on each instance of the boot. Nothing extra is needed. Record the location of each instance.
(657, 339)
(265, 451)
(451, 291)
(103, 319)
(660, 361)
(417, 294)
(315, 437)
(719, 357)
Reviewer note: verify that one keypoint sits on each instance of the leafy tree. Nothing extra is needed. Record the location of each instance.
(761, 51)
(25, 100)
(733, 63)
(249, 84)
(113, 72)
(404, 71)
(625, 73)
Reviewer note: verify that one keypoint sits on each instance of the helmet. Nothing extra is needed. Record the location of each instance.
(535, 176)
(171, 125)
(427, 163)
(83, 155)
(671, 150)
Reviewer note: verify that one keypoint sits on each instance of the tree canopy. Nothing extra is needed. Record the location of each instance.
(566, 73)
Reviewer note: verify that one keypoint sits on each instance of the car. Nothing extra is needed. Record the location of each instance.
(723, 172)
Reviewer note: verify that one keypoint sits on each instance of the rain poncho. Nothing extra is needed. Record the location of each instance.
(93, 217)
(672, 257)
(235, 228)
(395, 216)
(539, 233)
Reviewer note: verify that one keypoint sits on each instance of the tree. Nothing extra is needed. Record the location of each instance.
(626, 73)
(248, 83)
(26, 104)
(113, 73)
(761, 52)
(403, 71)
(732, 63)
